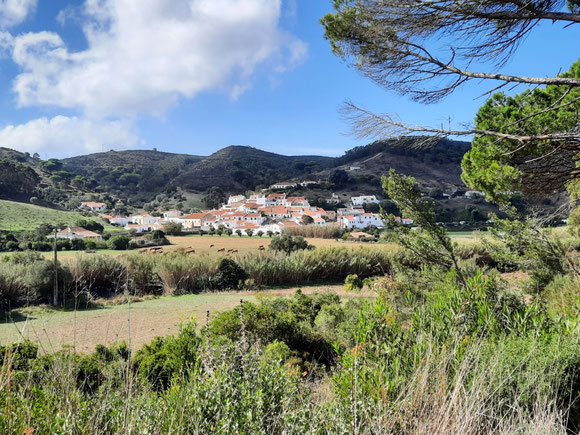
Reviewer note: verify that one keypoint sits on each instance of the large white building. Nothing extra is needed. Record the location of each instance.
(364, 199)
(363, 220)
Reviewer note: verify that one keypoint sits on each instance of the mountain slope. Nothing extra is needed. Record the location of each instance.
(238, 168)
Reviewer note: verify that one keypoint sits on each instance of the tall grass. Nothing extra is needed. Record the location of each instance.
(178, 273)
(316, 231)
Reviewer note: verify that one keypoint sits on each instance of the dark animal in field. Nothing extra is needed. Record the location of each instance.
(222, 250)
(261, 248)
(190, 251)
(211, 246)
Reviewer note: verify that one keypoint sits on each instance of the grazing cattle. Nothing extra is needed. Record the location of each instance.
(211, 246)
(190, 251)
(234, 251)
(222, 250)
(142, 251)
(261, 248)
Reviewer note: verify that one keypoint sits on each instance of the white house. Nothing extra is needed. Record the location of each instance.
(94, 206)
(138, 227)
(283, 185)
(361, 221)
(334, 199)
(196, 220)
(364, 199)
(345, 211)
(354, 168)
(119, 220)
(474, 194)
(145, 219)
(172, 214)
(75, 233)
(236, 198)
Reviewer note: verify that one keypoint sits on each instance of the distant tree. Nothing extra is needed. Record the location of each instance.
(270, 233)
(51, 165)
(44, 229)
(90, 225)
(157, 235)
(307, 220)
(371, 207)
(79, 182)
(239, 233)
(389, 207)
(129, 178)
(118, 243)
(214, 197)
(230, 275)
(288, 244)
(249, 232)
(260, 233)
(338, 177)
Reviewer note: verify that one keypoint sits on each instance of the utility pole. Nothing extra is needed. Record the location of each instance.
(55, 294)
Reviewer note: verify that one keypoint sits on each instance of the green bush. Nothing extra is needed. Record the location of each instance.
(118, 243)
(165, 358)
(288, 244)
(229, 275)
(353, 283)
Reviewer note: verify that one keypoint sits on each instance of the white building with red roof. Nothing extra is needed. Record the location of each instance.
(93, 206)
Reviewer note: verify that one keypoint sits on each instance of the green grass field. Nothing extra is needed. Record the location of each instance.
(84, 329)
(17, 216)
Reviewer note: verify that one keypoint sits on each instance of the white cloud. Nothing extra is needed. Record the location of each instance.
(14, 12)
(142, 56)
(67, 135)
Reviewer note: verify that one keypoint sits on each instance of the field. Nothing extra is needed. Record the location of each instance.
(84, 329)
(203, 245)
(17, 216)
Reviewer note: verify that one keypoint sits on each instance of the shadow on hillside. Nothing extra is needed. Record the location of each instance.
(13, 317)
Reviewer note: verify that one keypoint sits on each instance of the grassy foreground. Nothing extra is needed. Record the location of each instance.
(106, 324)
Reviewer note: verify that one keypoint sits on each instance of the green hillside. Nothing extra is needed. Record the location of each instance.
(17, 216)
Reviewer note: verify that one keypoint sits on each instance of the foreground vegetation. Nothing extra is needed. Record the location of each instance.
(27, 278)
(436, 359)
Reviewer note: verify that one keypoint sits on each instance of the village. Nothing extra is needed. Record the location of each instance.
(266, 213)
(258, 214)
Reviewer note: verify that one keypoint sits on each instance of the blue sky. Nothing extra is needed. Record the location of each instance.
(193, 76)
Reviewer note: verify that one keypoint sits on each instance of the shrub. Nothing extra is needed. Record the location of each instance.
(229, 275)
(173, 228)
(78, 244)
(118, 242)
(99, 275)
(157, 235)
(13, 290)
(165, 358)
(353, 283)
(289, 244)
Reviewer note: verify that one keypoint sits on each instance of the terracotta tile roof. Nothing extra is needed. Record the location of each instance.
(196, 216)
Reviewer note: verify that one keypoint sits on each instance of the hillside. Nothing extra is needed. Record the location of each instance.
(434, 164)
(238, 168)
(135, 178)
(17, 216)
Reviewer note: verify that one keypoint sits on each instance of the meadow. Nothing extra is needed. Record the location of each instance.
(18, 216)
(106, 322)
